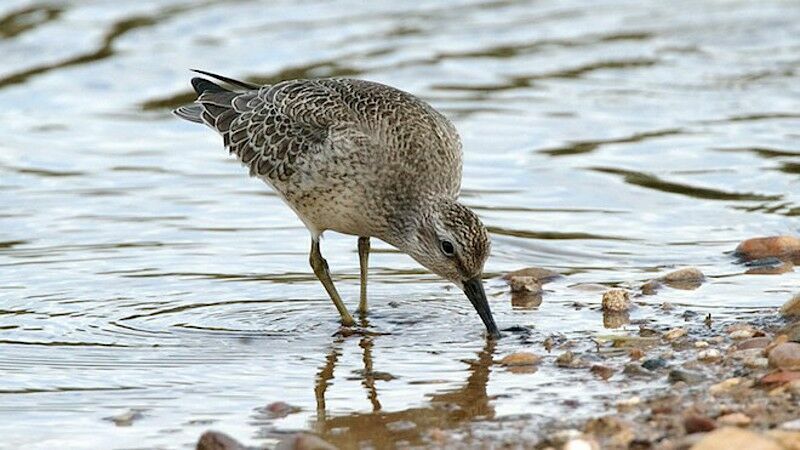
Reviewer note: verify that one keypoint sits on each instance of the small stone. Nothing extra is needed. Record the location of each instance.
(741, 355)
(439, 436)
(756, 363)
(636, 354)
(685, 376)
(636, 371)
(537, 275)
(214, 440)
(277, 410)
(629, 402)
(729, 438)
(615, 300)
(785, 356)
(651, 287)
(698, 424)
(675, 333)
(783, 247)
(724, 386)
(687, 278)
(741, 334)
(780, 339)
(524, 285)
(520, 359)
(700, 344)
(735, 420)
(709, 355)
(601, 371)
(400, 426)
(304, 441)
(125, 419)
(791, 307)
(654, 363)
(759, 342)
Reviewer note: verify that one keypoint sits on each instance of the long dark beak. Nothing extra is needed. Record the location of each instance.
(477, 296)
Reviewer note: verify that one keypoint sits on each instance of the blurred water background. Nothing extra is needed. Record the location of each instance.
(141, 269)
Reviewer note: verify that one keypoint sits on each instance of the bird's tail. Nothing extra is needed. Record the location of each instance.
(206, 90)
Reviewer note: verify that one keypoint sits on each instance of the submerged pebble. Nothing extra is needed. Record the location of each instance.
(694, 423)
(687, 278)
(521, 359)
(125, 419)
(654, 363)
(686, 376)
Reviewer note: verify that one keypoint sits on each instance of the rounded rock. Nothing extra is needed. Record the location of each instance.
(785, 356)
(616, 300)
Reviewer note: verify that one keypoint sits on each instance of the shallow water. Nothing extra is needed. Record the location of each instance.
(140, 268)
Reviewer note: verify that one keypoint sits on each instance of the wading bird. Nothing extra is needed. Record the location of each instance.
(358, 158)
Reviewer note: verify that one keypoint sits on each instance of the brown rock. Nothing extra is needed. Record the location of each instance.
(651, 287)
(789, 440)
(602, 371)
(526, 285)
(791, 307)
(675, 333)
(784, 247)
(687, 278)
(785, 356)
(536, 274)
(214, 440)
(616, 300)
(730, 438)
(521, 359)
(698, 424)
(636, 354)
(759, 342)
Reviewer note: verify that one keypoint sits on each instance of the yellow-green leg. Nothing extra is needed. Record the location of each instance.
(320, 267)
(363, 259)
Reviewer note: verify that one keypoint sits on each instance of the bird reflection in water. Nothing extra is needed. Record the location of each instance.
(385, 430)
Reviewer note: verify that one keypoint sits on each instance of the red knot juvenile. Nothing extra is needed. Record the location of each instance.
(359, 158)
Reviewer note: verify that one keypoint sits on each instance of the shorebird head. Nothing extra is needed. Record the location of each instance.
(453, 243)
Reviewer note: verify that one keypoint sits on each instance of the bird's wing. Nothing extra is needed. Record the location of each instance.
(270, 127)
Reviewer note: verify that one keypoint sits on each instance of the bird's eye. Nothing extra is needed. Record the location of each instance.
(448, 248)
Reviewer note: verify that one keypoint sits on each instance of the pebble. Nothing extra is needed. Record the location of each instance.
(616, 300)
(729, 438)
(629, 402)
(742, 334)
(654, 363)
(701, 344)
(636, 353)
(687, 278)
(214, 440)
(724, 386)
(785, 356)
(675, 333)
(756, 363)
(791, 307)
(651, 287)
(520, 359)
(537, 275)
(525, 285)
(635, 370)
(280, 409)
(709, 355)
(784, 247)
(759, 342)
(687, 376)
(698, 424)
(735, 419)
(601, 371)
(126, 419)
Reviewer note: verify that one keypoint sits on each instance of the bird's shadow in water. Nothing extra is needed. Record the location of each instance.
(383, 430)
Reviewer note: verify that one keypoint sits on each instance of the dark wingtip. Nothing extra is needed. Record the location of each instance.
(202, 85)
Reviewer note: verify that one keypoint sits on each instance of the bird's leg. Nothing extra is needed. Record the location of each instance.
(363, 258)
(320, 267)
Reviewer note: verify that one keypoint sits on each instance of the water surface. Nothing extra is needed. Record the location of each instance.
(140, 268)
